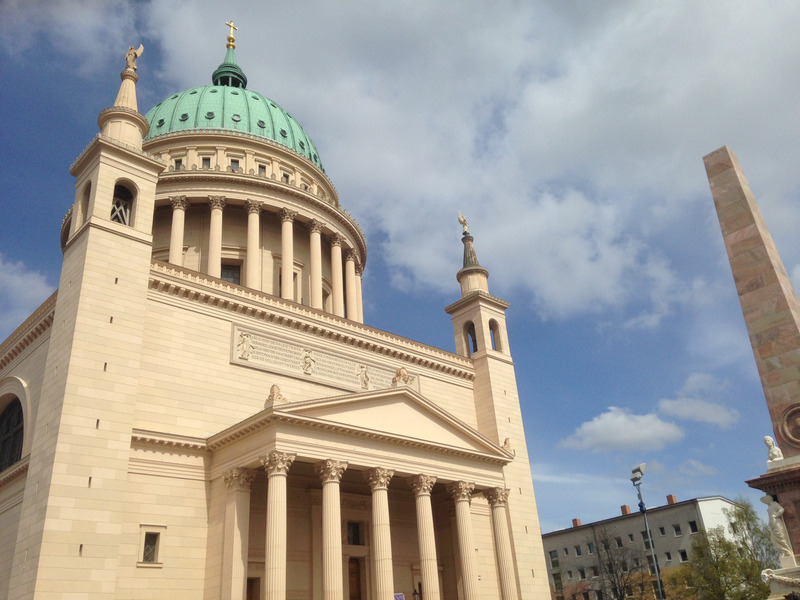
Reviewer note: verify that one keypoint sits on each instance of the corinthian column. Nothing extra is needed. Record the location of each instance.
(426, 536)
(330, 473)
(336, 275)
(253, 277)
(461, 493)
(215, 236)
(237, 527)
(359, 277)
(276, 464)
(378, 479)
(315, 230)
(287, 253)
(350, 285)
(497, 498)
(179, 206)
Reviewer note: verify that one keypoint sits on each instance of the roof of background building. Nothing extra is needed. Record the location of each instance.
(228, 105)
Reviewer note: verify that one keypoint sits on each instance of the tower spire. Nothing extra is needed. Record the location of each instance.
(472, 276)
(123, 122)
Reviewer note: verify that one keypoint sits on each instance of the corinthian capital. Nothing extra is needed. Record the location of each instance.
(179, 202)
(461, 490)
(330, 470)
(496, 496)
(277, 463)
(216, 202)
(351, 255)
(253, 206)
(238, 479)
(287, 214)
(336, 239)
(314, 226)
(422, 484)
(378, 478)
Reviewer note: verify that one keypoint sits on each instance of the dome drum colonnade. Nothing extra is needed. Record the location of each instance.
(273, 169)
(277, 465)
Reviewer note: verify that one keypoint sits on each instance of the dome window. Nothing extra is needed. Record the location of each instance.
(254, 97)
(173, 97)
(234, 93)
(302, 146)
(192, 92)
(209, 115)
(272, 105)
(283, 133)
(236, 118)
(184, 117)
(160, 123)
(261, 124)
(213, 91)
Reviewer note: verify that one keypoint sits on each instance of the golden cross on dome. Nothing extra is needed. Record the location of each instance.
(231, 38)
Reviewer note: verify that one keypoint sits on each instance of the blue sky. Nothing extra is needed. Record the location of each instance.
(570, 134)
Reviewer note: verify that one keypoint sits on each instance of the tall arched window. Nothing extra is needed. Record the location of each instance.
(494, 330)
(470, 339)
(122, 205)
(11, 428)
(83, 207)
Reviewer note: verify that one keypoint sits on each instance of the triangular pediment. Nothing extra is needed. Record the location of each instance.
(399, 413)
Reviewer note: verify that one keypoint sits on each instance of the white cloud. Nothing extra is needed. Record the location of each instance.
(619, 429)
(692, 407)
(21, 292)
(694, 468)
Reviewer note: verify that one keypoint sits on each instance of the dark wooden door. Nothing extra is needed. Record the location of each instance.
(354, 576)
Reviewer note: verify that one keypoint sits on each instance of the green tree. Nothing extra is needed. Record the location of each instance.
(727, 566)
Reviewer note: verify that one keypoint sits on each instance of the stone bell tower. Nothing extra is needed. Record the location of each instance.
(479, 325)
(771, 312)
(75, 490)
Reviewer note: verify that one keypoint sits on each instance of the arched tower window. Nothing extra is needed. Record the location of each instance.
(83, 214)
(122, 205)
(11, 429)
(494, 330)
(470, 339)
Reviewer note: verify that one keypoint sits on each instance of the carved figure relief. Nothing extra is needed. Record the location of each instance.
(401, 377)
(778, 534)
(363, 377)
(244, 346)
(308, 361)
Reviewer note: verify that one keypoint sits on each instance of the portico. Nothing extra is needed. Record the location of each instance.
(358, 490)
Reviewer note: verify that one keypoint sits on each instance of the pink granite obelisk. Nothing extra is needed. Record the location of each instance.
(771, 312)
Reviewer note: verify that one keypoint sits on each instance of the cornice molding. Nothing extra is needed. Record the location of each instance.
(23, 336)
(480, 296)
(16, 470)
(197, 287)
(171, 440)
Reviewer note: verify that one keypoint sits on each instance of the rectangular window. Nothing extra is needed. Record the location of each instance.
(684, 556)
(618, 542)
(566, 551)
(595, 572)
(151, 543)
(262, 169)
(285, 177)
(606, 545)
(150, 552)
(662, 531)
(578, 551)
(651, 565)
(234, 164)
(231, 273)
(206, 162)
(569, 574)
(677, 530)
(178, 164)
(598, 595)
(557, 582)
(693, 526)
(582, 573)
(630, 537)
(585, 595)
(646, 540)
(590, 545)
(354, 534)
(668, 556)
(553, 559)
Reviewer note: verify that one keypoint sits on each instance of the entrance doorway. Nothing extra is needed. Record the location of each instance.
(354, 578)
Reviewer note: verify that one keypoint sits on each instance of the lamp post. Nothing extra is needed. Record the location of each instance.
(636, 478)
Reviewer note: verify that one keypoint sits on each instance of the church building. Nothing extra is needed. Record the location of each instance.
(200, 410)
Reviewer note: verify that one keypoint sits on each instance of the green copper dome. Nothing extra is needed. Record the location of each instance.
(229, 106)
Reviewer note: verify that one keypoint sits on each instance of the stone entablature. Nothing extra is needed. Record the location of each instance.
(23, 336)
(193, 286)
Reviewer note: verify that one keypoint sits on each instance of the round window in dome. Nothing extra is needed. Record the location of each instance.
(175, 96)
(261, 124)
(160, 123)
(254, 97)
(236, 118)
(302, 146)
(234, 93)
(192, 92)
(209, 115)
(213, 91)
(283, 133)
(184, 117)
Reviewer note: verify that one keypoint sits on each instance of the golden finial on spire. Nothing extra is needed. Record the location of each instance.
(231, 38)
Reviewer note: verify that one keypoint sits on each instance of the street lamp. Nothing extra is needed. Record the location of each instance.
(636, 478)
